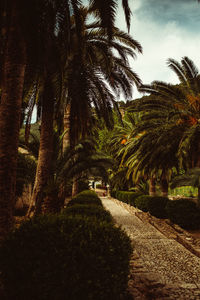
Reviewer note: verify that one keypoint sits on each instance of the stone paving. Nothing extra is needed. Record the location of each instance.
(161, 268)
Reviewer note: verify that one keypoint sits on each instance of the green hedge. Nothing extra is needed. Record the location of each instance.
(85, 197)
(183, 212)
(127, 197)
(142, 202)
(95, 211)
(113, 193)
(156, 206)
(88, 193)
(65, 257)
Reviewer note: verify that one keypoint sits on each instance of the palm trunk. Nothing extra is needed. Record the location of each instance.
(44, 166)
(67, 142)
(66, 138)
(75, 186)
(10, 112)
(152, 186)
(164, 185)
(198, 199)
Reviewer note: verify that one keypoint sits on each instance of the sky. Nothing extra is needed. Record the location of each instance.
(165, 29)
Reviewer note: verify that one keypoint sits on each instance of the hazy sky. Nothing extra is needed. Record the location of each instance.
(165, 29)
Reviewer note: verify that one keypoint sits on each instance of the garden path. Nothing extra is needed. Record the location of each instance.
(161, 268)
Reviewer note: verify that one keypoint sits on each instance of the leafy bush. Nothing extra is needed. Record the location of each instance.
(142, 202)
(65, 257)
(85, 201)
(156, 206)
(94, 211)
(88, 193)
(122, 196)
(183, 212)
(132, 196)
(83, 185)
(127, 197)
(113, 193)
(86, 197)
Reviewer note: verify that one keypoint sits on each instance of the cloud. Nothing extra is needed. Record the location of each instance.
(165, 29)
(184, 12)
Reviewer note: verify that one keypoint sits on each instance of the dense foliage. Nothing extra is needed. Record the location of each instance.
(142, 202)
(127, 197)
(156, 206)
(65, 257)
(85, 197)
(184, 213)
(89, 210)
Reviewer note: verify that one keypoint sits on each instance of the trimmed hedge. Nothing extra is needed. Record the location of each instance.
(94, 211)
(127, 197)
(156, 206)
(65, 257)
(142, 202)
(88, 193)
(86, 197)
(183, 212)
(113, 193)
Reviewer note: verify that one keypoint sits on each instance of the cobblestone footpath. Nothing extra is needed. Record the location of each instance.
(161, 268)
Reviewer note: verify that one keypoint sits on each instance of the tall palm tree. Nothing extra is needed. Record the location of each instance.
(88, 71)
(24, 28)
(21, 30)
(12, 79)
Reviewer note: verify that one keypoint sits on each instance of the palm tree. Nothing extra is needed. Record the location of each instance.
(23, 28)
(180, 105)
(88, 71)
(12, 79)
(169, 127)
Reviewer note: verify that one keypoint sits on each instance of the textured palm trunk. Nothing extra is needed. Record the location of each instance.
(67, 143)
(44, 166)
(198, 197)
(152, 186)
(164, 185)
(10, 112)
(66, 138)
(75, 188)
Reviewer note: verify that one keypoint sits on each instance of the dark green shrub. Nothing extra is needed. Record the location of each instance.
(122, 196)
(83, 185)
(88, 193)
(83, 200)
(65, 257)
(127, 197)
(183, 212)
(132, 196)
(113, 193)
(142, 202)
(156, 206)
(94, 211)
(86, 197)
